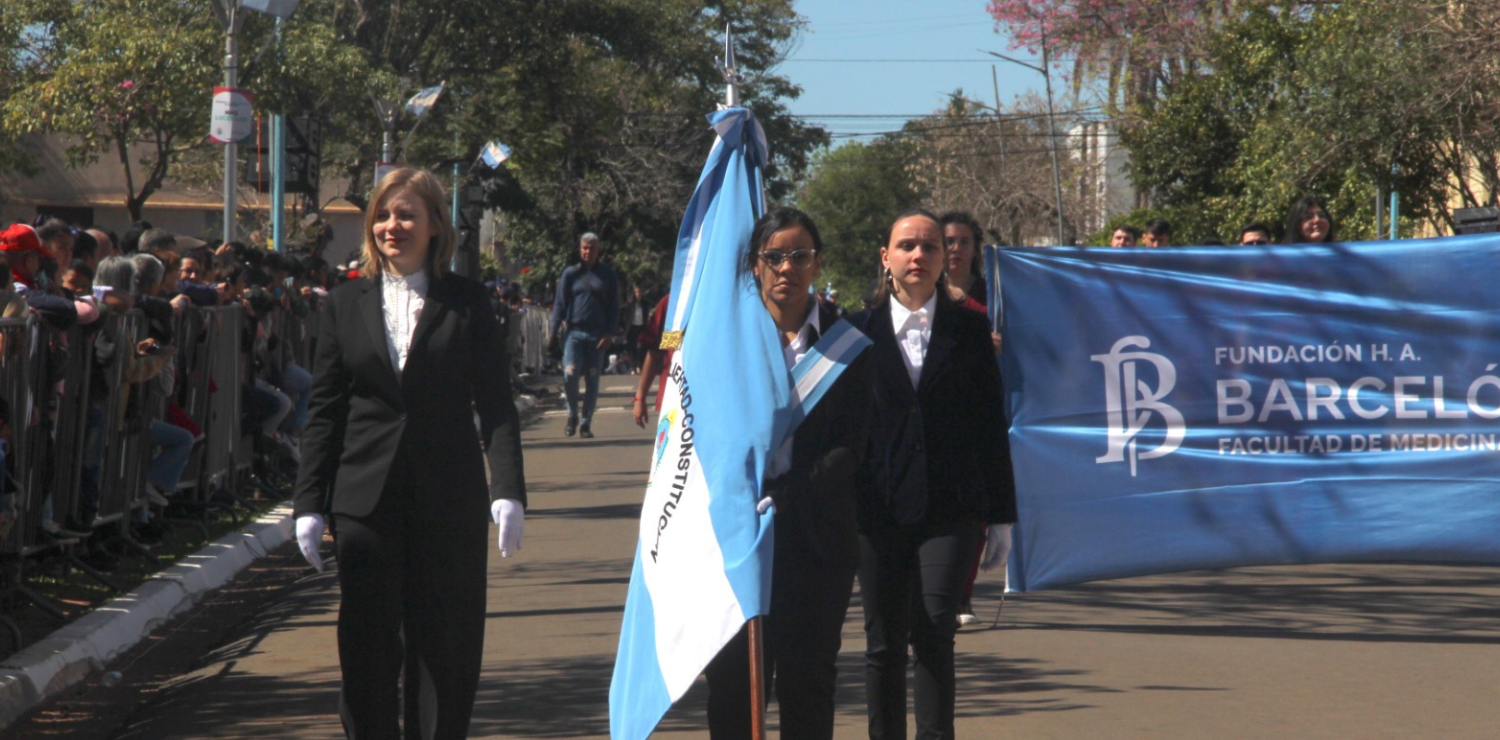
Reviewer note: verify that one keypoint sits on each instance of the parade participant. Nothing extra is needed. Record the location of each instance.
(635, 314)
(657, 362)
(588, 303)
(961, 237)
(1124, 235)
(1158, 233)
(811, 483)
(1309, 222)
(940, 470)
(405, 357)
(1255, 234)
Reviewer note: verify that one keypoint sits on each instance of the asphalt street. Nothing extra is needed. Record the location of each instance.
(1332, 651)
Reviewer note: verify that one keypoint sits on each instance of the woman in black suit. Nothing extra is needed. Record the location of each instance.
(939, 466)
(811, 483)
(405, 357)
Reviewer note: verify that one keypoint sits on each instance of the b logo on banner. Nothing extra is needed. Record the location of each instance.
(1131, 402)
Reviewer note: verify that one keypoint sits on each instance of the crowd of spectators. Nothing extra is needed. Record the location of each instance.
(70, 276)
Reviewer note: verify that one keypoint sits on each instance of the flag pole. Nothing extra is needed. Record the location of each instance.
(757, 681)
(755, 627)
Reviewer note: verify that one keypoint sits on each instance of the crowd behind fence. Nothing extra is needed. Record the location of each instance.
(52, 380)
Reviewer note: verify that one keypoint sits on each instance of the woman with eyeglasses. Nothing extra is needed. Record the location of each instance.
(939, 472)
(811, 483)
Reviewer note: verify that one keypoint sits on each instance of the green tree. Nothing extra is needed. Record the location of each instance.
(602, 101)
(852, 193)
(132, 79)
(1336, 101)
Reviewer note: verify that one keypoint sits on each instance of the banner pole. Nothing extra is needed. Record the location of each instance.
(757, 682)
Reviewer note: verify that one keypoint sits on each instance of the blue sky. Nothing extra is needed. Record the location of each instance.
(912, 54)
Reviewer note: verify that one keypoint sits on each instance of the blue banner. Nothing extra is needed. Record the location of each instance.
(1209, 407)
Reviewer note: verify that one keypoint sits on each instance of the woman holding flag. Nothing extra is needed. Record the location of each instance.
(939, 463)
(811, 484)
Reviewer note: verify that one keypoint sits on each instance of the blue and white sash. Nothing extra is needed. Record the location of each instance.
(817, 371)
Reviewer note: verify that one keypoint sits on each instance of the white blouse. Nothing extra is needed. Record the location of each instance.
(913, 330)
(401, 302)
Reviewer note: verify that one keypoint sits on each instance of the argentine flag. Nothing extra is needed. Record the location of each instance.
(703, 562)
(494, 154)
(423, 101)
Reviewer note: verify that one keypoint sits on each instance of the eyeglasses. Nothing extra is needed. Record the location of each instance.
(800, 258)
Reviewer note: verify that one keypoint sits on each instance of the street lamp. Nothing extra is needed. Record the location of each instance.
(1051, 126)
(230, 17)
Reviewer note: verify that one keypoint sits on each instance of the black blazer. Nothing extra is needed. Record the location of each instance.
(362, 418)
(939, 453)
(815, 499)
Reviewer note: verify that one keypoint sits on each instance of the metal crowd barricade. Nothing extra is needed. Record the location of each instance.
(21, 370)
(533, 327)
(71, 424)
(221, 448)
(127, 425)
(193, 333)
(24, 383)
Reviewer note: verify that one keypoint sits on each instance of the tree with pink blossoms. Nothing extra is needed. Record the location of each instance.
(1139, 48)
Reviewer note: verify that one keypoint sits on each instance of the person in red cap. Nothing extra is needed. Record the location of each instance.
(25, 250)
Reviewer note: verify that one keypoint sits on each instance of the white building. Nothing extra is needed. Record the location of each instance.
(1104, 190)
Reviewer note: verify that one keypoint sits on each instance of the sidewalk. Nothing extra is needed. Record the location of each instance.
(69, 655)
(1338, 651)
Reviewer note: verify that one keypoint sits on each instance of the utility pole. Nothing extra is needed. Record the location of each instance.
(229, 16)
(278, 166)
(1051, 126)
(1000, 139)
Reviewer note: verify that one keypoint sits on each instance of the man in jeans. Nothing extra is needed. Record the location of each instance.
(588, 302)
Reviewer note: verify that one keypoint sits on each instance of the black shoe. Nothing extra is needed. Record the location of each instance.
(585, 432)
(570, 427)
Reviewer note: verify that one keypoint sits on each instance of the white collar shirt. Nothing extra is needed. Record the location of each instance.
(913, 331)
(792, 353)
(401, 300)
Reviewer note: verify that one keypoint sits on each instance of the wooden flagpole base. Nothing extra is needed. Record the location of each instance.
(757, 681)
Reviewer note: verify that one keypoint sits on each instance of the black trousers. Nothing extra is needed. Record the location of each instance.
(802, 638)
(413, 602)
(911, 580)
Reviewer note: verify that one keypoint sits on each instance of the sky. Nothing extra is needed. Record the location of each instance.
(867, 66)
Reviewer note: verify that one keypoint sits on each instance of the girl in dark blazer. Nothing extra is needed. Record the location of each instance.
(406, 356)
(938, 471)
(812, 487)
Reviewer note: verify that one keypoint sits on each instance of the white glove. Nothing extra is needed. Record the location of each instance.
(511, 516)
(996, 547)
(309, 536)
(764, 505)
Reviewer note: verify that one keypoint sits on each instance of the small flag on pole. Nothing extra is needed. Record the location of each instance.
(494, 154)
(424, 100)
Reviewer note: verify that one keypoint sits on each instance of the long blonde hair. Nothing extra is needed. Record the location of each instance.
(429, 189)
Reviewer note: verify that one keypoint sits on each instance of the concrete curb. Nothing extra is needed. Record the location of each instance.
(69, 655)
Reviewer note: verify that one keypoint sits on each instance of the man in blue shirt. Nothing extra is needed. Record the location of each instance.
(588, 302)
